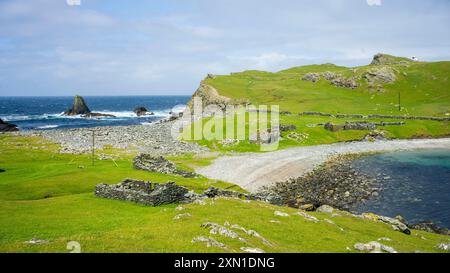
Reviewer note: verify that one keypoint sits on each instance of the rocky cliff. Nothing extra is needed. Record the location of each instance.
(209, 95)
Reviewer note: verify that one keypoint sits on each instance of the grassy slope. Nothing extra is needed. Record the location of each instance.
(424, 88)
(45, 195)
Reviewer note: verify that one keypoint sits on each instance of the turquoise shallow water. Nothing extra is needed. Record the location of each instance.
(416, 185)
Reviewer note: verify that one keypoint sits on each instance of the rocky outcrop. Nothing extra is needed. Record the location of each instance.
(429, 226)
(7, 127)
(385, 59)
(380, 75)
(142, 111)
(311, 77)
(142, 192)
(345, 82)
(158, 164)
(209, 95)
(79, 107)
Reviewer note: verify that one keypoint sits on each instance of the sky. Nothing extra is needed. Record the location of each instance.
(166, 47)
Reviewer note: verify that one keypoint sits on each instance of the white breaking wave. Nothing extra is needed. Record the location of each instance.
(117, 114)
(48, 127)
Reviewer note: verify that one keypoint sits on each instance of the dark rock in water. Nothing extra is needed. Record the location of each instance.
(158, 164)
(142, 111)
(79, 107)
(7, 127)
(429, 226)
(97, 115)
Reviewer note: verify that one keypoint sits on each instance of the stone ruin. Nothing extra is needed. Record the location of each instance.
(142, 192)
(358, 125)
(154, 194)
(159, 164)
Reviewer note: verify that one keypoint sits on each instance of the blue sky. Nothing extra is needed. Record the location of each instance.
(150, 47)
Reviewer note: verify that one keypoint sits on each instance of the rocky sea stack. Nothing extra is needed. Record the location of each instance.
(80, 107)
(7, 127)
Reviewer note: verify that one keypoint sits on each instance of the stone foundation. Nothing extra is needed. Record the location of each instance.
(142, 192)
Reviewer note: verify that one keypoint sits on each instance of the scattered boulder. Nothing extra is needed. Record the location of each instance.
(182, 216)
(35, 241)
(252, 250)
(374, 247)
(311, 77)
(325, 209)
(210, 242)
(159, 164)
(210, 76)
(444, 246)
(79, 107)
(7, 127)
(429, 226)
(2, 171)
(142, 192)
(281, 214)
(307, 216)
(215, 228)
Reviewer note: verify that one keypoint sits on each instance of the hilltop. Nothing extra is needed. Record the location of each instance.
(372, 89)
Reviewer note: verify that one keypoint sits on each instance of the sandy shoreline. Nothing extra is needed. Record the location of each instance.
(254, 170)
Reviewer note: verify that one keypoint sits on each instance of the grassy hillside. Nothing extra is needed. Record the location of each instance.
(424, 88)
(49, 196)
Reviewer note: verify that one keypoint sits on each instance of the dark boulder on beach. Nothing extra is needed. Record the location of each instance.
(79, 107)
(7, 127)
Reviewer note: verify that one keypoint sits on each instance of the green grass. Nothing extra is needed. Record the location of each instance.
(424, 88)
(45, 195)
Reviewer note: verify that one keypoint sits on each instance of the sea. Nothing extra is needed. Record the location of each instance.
(416, 185)
(46, 113)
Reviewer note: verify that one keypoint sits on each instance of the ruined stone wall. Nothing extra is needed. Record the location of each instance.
(142, 192)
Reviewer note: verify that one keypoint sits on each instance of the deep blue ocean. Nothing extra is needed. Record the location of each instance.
(44, 113)
(416, 185)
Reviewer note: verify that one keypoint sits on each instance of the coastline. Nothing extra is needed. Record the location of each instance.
(265, 169)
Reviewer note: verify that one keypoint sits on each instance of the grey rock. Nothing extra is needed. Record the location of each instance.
(158, 164)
